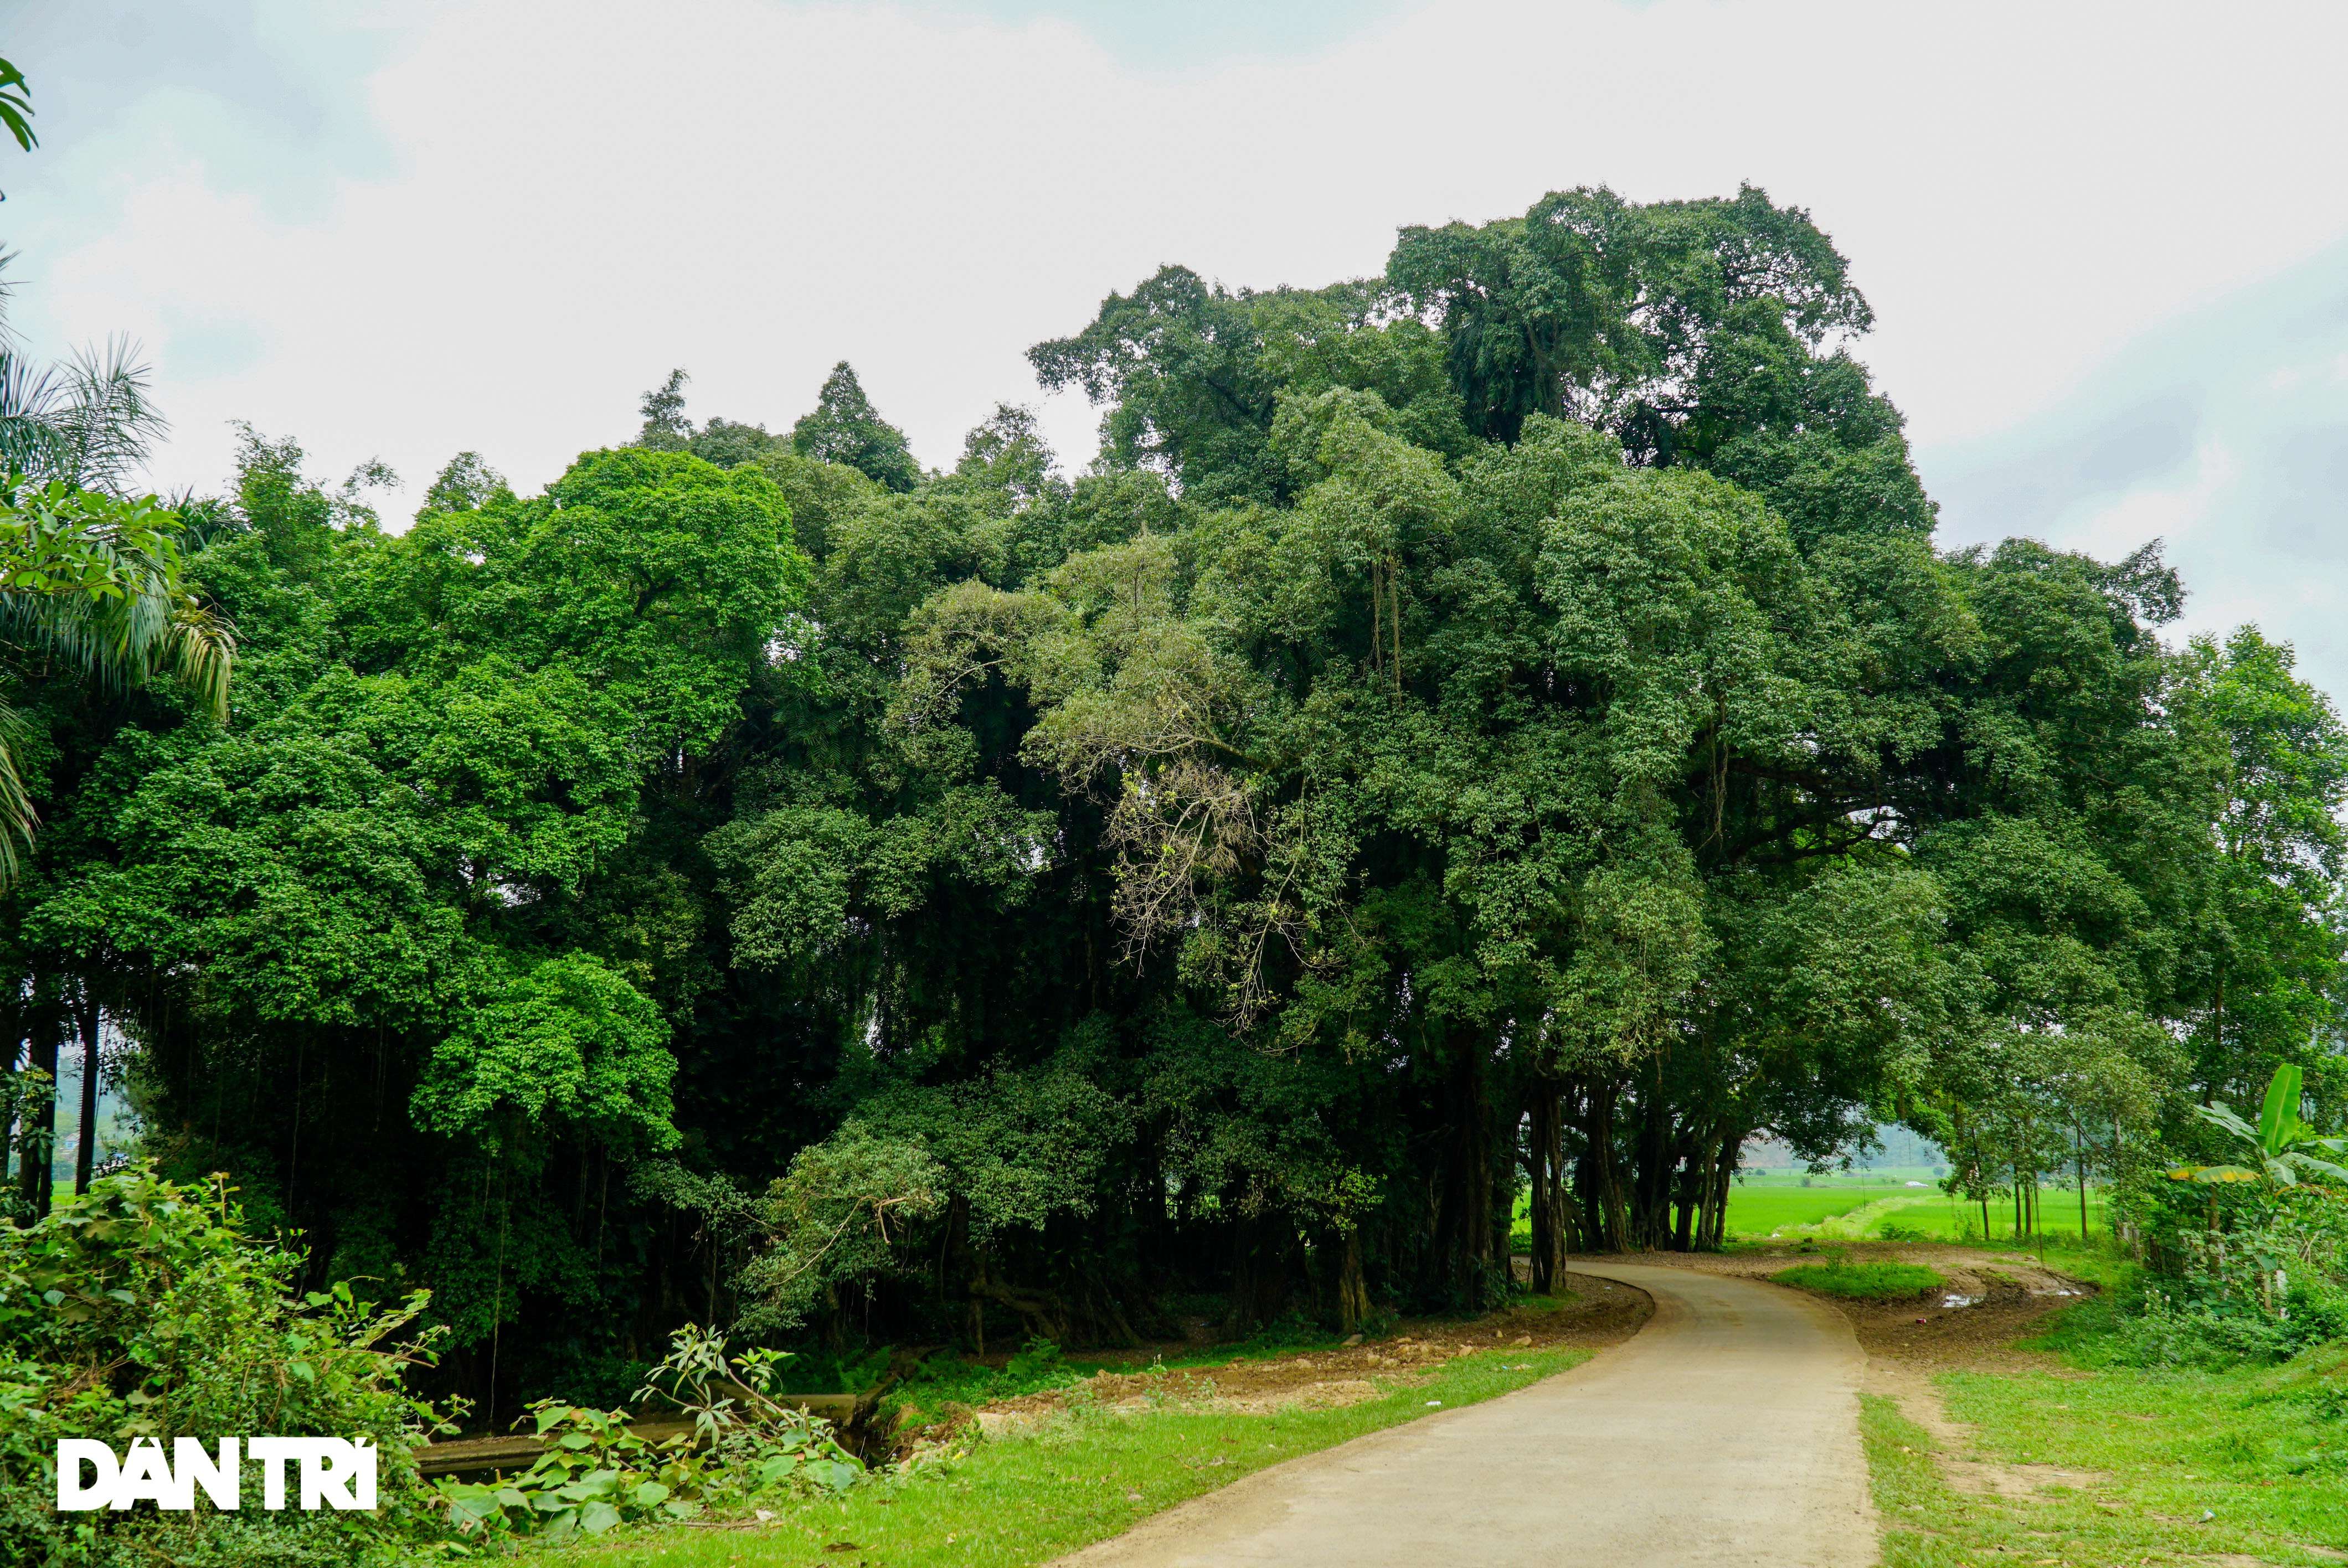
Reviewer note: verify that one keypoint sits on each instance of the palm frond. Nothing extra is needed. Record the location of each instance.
(17, 817)
(30, 398)
(17, 107)
(108, 419)
(199, 652)
(7, 296)
(95, 582)
(70, 630)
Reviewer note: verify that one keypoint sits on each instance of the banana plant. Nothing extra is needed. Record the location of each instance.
(2280, 1149)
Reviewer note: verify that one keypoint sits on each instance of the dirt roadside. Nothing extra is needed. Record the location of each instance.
(1596, 1314)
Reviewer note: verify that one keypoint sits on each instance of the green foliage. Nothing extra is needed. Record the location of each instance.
(99, 584)
(1038, 1359)
(570, 1045)
(17, 107)
(597, 1473)
(843, 428)
(845, 1210)
(2279, 1144)
(1497, 726)
(143, 1309)
(466, 483)
(1862, 1281)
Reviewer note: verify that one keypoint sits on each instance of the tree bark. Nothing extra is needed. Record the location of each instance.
(1545, 1168)
(1713, 1234)
(1600, 1179)
(1471, 1172)
(1259, 1246)
(86, 1153)
(1353, 1287)
(2079, 1143)
(38, 1124)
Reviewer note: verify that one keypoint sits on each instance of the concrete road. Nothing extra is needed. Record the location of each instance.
(1726, 1432)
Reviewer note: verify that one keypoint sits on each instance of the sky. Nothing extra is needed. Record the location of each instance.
(2106, 244)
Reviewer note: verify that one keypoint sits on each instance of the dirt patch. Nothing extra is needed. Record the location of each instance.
(1595, 1314)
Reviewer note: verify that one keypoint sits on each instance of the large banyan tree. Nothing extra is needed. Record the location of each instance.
(1499, 728)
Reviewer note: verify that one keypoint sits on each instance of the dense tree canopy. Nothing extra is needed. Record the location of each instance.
(1499, 724)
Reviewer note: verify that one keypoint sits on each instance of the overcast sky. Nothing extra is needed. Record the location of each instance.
(2106, 244)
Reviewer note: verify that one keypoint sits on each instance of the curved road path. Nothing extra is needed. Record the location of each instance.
(1725, 1432)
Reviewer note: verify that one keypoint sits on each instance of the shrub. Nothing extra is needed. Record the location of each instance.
(2246, 1272)
(1861, 1281)
(142, 1310)
(596, 1474)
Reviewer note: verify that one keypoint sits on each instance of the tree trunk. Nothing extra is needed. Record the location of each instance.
(1715, 1232)
(1547, 1168)
(11, 1128)
(2079, 1145)
(1463, 1215)
(1259, 1248)
(1475, 1169)
(39, 1122)
(1601, 1177)
(85, 1153)
(1352, 1287)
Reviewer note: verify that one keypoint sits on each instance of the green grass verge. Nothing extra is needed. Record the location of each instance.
(1082, 1477)
(2163, 1467)
(1861, 1281)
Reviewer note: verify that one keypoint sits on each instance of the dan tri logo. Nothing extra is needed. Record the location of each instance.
(334, 1472)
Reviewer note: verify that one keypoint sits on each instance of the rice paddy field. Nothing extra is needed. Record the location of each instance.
(1878, 1204)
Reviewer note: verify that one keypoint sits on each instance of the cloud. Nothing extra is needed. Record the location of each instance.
(2308, 518)
(417, 227)
(2224, 433)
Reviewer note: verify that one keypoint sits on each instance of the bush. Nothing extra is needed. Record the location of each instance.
(2245, 1272)
(596, 1474)
(142, 1310)
(1861, 1281)
(2175, 1329)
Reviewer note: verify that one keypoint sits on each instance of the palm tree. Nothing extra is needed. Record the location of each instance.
(92, 582)
(93, 585)
(93, 589)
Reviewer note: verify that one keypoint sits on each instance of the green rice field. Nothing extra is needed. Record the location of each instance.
(1862, 1203)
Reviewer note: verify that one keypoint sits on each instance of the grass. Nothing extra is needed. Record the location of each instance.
(1861, 1281)
(1935, 1216)
(1083, 1476)
(1863, 1204)
(1758, 1210)
(1859, 1212)
(2165, 1466)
